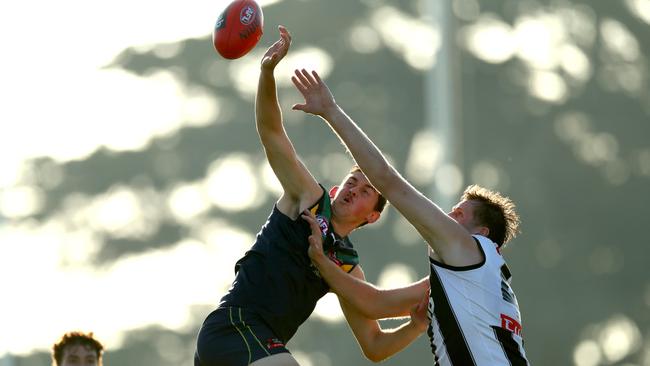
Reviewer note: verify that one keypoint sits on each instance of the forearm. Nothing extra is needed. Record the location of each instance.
(363, 150)
(388, 342)
(363, 296)
(366, 298)
(268, 115)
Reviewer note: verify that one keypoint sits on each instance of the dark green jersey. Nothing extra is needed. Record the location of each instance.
(276, 278)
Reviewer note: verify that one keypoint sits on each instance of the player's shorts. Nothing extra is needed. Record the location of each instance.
(232, 336)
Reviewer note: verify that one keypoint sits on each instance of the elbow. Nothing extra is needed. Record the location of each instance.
(377, 359)
(372, 348)
(373, 355)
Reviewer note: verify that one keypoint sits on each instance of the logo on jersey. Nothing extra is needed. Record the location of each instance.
(510, 324)
(507, 294)
(322, 223)
(331, 254)
(272, 343)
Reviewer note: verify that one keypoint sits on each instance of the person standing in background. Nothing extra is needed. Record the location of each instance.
(77, 349)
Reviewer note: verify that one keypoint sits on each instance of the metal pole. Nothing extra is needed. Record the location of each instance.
(439, 101)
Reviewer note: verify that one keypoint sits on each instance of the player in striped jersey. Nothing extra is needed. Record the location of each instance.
(475, 318)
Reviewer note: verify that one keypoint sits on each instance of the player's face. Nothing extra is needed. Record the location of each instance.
(463, 213)
(356, 197)
(79, 355)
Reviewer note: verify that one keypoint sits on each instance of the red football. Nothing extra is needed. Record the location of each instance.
(238, 29)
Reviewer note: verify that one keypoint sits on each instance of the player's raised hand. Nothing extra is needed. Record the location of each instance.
(278, 50)
(318, 97)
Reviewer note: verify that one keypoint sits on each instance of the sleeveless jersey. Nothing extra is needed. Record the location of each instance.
(475, 317)
(276, 278)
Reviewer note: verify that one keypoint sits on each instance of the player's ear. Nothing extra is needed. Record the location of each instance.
(484, 231)
(333, 191)
(373, 216)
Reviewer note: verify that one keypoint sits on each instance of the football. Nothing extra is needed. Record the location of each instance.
(238, 29)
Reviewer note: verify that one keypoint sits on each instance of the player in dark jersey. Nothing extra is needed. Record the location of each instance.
(276, 286)
(475, 318)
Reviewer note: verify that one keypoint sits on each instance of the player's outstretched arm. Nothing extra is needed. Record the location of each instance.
(300, 187)
(367, 299)
(446, 237)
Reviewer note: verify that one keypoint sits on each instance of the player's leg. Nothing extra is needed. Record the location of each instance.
(282, 359)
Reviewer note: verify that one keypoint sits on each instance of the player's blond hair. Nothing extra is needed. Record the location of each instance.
(495, 211)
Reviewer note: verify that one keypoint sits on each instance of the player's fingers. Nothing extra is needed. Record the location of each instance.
(284, 33)
(316, 77)
(302, 78)
(309, 217)
(286, 40)
(301, 88)
(308, 77)
(283, 29)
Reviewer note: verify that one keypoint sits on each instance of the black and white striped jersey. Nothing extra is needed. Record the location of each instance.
(475, 318)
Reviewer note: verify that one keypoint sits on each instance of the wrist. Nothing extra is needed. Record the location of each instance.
(331, 112)
(267, 70)
(317, 257)
(320, 259)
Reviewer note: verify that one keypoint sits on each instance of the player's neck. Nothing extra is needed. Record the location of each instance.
(342, 228)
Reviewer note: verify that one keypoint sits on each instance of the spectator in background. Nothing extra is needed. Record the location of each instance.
(77, 349)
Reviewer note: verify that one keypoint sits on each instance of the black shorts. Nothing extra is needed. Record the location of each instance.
(232, 336)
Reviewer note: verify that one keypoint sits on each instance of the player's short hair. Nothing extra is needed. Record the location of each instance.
(76, 338)
(495, 211)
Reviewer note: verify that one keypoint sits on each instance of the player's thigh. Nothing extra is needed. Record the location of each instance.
(282, 359)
